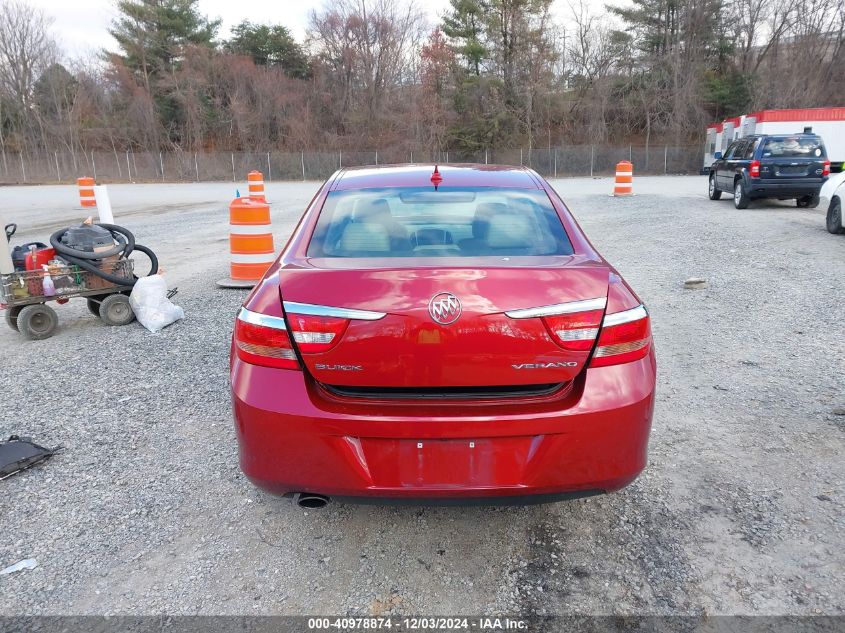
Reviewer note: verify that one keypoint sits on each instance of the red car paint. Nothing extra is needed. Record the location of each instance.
(365, 414)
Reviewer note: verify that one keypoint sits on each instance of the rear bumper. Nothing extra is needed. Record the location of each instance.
(498, 500)
(294, 437)
(787, 188)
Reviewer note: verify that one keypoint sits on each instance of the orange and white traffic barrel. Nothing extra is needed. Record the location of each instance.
(250, 242)
(624, 179)
(255, 181)
(86, 191)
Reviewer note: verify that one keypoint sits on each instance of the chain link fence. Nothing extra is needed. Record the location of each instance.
(45, 167)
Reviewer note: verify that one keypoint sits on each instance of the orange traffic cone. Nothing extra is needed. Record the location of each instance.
(250, 242)
(86, 191)
(624, 179)
(255, 180)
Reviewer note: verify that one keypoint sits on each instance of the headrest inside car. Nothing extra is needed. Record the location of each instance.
(430, 237)
(372, 211)
(364, 237)
(483, 213)
(509, 230)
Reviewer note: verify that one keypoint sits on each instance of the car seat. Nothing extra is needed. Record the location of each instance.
(377, 212)
(477, 244)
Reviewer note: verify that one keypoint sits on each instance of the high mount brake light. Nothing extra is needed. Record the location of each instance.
(263, 340)
(754, 170)
(625, 337)
(314, 333)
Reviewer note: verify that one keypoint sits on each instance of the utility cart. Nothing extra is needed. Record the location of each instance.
(22, 293)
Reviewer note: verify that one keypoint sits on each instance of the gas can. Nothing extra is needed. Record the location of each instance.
(21, 252)
(41, 256)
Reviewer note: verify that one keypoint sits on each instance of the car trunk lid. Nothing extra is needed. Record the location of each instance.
(442, 326)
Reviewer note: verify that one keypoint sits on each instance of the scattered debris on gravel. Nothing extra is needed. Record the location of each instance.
(695, 283)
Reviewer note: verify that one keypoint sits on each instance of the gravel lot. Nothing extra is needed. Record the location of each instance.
(741, 510)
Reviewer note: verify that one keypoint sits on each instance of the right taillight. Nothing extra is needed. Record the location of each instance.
(263, 340)
(624, 337)
(826, 168)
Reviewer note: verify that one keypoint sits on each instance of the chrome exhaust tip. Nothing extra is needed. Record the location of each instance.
(309, 501)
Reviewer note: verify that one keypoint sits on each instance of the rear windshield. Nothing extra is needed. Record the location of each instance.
(793, 147)
(450, 222)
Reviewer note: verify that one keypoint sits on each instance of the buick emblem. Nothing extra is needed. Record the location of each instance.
(444, 308)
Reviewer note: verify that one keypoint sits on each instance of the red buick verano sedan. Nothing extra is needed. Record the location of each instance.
(441, 335)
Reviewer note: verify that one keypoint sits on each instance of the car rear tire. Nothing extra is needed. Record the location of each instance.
(741, 198)
(712, 190)
(807, 202)
(37, 321)
(834, 217)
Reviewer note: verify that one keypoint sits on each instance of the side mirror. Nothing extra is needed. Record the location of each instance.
(718, 155)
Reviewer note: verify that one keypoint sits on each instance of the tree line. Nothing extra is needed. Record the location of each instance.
(378, 74)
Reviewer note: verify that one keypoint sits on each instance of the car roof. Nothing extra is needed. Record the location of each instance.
(781, 135)
(419, 175)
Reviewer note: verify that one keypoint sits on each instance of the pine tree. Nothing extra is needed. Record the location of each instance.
(153, 33)
(466, 26)
(270, 46)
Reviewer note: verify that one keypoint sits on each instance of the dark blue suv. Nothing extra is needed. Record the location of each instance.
(771, 166)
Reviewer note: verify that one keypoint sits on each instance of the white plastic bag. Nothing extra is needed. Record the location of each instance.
(150, 304)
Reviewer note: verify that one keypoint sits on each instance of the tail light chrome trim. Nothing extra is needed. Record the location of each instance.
(264, 320)
(618, 318)
(598, 303)
(313, 309)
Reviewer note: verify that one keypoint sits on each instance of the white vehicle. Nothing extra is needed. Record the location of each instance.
(831, 198)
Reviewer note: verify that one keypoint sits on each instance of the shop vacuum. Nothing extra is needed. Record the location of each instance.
(90, 245)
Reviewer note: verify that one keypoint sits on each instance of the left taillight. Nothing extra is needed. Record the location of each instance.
(263, 340)
(624, 337)
(754, 169)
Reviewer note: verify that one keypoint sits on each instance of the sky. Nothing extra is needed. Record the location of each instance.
(80, 26)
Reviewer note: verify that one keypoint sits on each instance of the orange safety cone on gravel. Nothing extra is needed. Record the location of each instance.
(250, 242)
(624, 179)
(86, 191)
(255, 180)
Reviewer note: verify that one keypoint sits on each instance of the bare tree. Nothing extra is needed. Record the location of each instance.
(369, 48)
(592, 58)
(26, 50)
